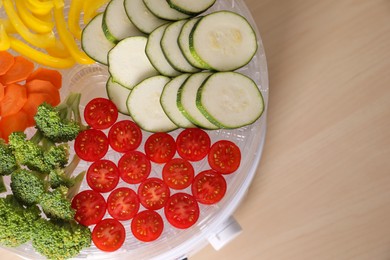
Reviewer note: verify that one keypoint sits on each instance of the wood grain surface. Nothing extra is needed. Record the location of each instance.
(322, 190)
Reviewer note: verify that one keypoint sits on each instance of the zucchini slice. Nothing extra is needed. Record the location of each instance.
(128, 63)
(163, 10)
(168, 102)
(93, 41)
(118, 94)
(191, 7)
(155, 53)
(230, 100)
(186, 100)
(223, 41)
(145, 108)
(116, 24)
(184, 42)
(171, 49)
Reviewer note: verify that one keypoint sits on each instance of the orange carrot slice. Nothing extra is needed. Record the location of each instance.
(15, 96)
(13, 123)
(32, 103)
(53, 76)
(6, 61)
(2, 88)
(43, 86)
(19, 71)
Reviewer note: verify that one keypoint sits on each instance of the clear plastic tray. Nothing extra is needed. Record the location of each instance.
(174, 243)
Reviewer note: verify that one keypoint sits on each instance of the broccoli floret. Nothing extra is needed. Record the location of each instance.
(8, 162)
(2, 185)
(61, 123)
(27, 186)
(57, 156)
(16, 222)
(56, 205)
(60, 240)
(62, 176)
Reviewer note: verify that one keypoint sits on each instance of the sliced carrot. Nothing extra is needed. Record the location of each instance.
(6, 61)
(13, 123)
(32, 103)
(19, 71)
(15, 96)
(2, 89)
(53, 76)
(44, 86)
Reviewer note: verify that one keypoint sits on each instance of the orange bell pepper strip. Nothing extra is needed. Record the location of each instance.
(31, 20)
(66, 36)
(38, 40)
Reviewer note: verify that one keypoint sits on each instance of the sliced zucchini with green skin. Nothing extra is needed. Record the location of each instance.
(223, 41)
(230, 100)
(145, 108)
(184, 42)
(93, 41)
(168, 102)
(141, 17)
(116, 24)
(163, 10)
(128, 63)
(186, 100)
(118, 94)
(191, 7)
(155, 53)
(171, 49)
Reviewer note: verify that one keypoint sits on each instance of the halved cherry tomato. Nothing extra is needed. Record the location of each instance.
(160, 147)
(153, 193)
(108, 235)
(209, 187)
(91, 145)
(103, 176)
(182, 210)
(90, 207)
(193, 144)
(178, 173)
(100, 113)
(125, 136)
(134, 167)
(123, 203)
(147, 225)
(224, 157)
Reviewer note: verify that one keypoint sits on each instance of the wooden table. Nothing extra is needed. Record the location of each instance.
(322, 190)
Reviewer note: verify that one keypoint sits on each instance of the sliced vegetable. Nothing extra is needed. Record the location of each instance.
(178, 173)
(134, 167)
(53, 76)
(5, 43)
(147, 226)
(162, 10)
(29, 19)
(123, 203)
(102, 176)
(191, 7)
(91, 145)
(6, 62)
(160, 147)
(182, 210)
(91, 9)
(40, 7)
(13, 123)
(19, 71)
(75, 9)
(125, 136)
(15, 96)
(193, 144)
(224, 157)
(90, 207)
(118, 94)
(100, 113)
(43, 87)
(108, 235)
(153, 193)
(184, 42)
(209, 187)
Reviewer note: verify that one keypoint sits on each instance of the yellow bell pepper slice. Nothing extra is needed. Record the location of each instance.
(8, 27)
(40, 57)
(66, 37)
(5, 43)
(75, 9)
(59, 50)
(91, 8)
(32, 21)
(39, 7)
(38, 40)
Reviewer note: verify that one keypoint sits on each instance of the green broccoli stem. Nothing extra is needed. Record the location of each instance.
(2, 185)
(72, 191)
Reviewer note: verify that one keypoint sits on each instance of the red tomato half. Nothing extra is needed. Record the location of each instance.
(224, 157)
(193, 144)
(90, 207)
(103, 176)
(134, 167)
(160, 147)
(208, 187)
(147, 225)
(125, 136)
(182, 210)
(123, 203)
(100, 113)
(153, 193)
(178, 173)
(91, 145)
(108, 235)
